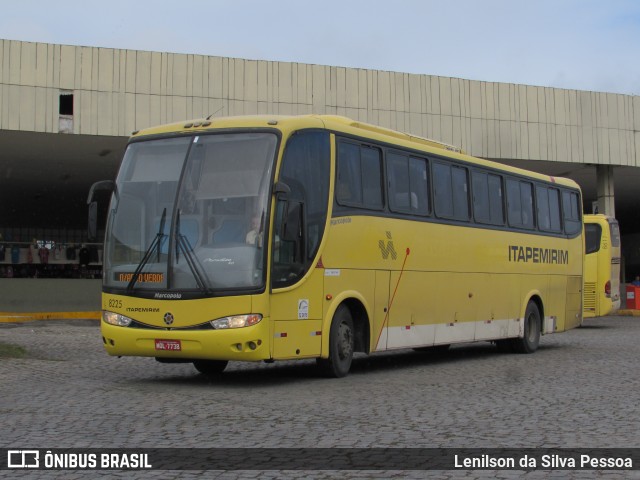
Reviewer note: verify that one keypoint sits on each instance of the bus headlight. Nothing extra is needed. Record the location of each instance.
(236, 321)
(116, 319)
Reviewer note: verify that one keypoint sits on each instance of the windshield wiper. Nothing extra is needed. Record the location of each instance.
(183, 245)
(156, 244)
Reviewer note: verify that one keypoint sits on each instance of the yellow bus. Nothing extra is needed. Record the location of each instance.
(273, 238)
(602, 266)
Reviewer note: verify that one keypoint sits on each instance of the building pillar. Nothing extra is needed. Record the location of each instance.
(606, 199)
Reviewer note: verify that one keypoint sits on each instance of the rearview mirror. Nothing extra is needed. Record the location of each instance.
(101, 185)
(92, 229)
(92, 225)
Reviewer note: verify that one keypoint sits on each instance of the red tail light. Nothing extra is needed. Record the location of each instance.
(607, 288)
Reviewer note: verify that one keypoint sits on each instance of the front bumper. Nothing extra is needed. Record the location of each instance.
(241, 344)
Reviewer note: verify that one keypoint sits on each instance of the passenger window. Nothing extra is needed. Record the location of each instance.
(592, 234)
(442, 190)
(419, 183)
(520, 204)
(359, 181)
(451, 191)
(349, 184)
(487, 198)
(548, 203)
(460, 193)
(371, 178)
(571, 213)
(408, 184)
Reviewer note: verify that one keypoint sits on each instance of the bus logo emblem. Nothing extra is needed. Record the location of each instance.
(387, 249)
(168, 318)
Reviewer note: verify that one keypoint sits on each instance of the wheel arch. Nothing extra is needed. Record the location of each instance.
(361, 322)
(536, 298)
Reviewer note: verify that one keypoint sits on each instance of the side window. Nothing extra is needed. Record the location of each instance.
(305, 169)
(496, 199)
(554, 210)
(460, 193)
(371, 177)
(408, 184)
(548, 205)
(419, 182)
(592, 234)
(359, 182)
(571, 213)
(487, 198)
(520, 203)
(349, 183)
(442, 190)
(451, 191)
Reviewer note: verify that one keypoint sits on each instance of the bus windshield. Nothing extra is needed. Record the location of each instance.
(189, 213)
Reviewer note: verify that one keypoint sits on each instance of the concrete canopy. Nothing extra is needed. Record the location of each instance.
(46, 176)
(101, 95)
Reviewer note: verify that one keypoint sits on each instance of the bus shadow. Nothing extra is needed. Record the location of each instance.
(286, 372)
(245, 375)
(595, 327)
(408, 358)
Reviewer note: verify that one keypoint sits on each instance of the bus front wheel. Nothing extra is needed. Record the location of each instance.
(529, 342)
(210, 367)
(341, 345)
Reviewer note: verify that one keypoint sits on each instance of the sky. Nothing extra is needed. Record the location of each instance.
(574, 44)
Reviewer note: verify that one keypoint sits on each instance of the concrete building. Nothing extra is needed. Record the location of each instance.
(66, 113)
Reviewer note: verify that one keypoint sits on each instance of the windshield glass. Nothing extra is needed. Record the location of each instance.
(189, 213)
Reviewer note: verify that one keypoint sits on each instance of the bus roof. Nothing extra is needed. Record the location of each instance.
(340, 124)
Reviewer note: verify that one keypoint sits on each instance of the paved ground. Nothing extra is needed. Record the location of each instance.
(580, 390)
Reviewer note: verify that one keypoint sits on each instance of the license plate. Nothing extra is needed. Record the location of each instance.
(173, 345)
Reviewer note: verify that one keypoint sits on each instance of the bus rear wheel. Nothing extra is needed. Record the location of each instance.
(529, 342)
(341, 345)
(210, 367)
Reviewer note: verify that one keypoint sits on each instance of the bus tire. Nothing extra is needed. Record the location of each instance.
(529, 342)
(341, 345)
(210, 367)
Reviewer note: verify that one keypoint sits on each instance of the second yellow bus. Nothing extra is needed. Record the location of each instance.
(602, 266)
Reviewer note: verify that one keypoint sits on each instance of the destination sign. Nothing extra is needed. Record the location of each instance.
(148, 277)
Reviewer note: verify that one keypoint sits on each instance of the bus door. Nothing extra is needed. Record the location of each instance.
(296, 302)
(297, 319)
(301, 197)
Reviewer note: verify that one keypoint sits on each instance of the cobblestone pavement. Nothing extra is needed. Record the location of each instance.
(580, 390)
